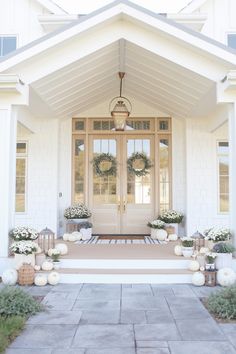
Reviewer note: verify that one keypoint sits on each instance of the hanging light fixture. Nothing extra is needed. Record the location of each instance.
(120, 112)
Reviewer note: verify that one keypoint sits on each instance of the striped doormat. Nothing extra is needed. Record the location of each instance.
(96, 240)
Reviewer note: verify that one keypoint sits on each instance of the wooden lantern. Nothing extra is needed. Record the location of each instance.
(199, 240)
(46, 239)
(210, 277)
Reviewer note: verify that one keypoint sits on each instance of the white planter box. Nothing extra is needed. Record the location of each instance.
(223, 260)
(159, 234)
(79, 221)
(187, 251)
(22, 258)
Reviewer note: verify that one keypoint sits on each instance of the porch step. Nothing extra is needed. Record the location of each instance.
(126, 263)
(125, 276)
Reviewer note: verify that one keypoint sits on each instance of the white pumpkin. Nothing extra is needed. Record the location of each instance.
(53, 278)
(161, 234)
(194, 266)
(47, 265)
(198, 279)
(37, 267)
(202, 268)
(173, 237)
(9, 277)
(204, 250)
(178, 250)
(72, 238)
(40, 280)
(62, 247)
(65, 237)
(50, 252)
(78, 235)
(226, 277)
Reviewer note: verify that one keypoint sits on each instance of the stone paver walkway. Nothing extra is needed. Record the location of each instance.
(124, 319)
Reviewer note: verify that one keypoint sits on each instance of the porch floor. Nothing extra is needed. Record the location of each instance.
(120, 251)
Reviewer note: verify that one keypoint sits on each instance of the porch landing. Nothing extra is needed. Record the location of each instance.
(123, 263)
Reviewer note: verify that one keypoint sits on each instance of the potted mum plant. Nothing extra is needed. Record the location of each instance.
(55, 255)
(78, 213)
(172, 218)
(216, 234)
(210, 260)
(224, 254)
(24, 252)
(187, 246)
(158, 230)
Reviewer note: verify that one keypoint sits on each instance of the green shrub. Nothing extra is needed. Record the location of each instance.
(10, 328)
(16, 302)
(223, 303)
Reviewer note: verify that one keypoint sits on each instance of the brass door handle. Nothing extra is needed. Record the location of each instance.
(124, 206)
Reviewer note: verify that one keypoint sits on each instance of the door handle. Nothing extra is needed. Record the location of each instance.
(124, 206)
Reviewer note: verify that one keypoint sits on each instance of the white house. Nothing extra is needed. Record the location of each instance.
(55, 90)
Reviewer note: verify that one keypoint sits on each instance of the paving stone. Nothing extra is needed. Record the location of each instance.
(198, 347)
(202, 330)
(229, 330)
(96, 304)
(100, 316)
(151, 344)
(133, 316)
(39, 290)
(58, 304)
(28, 351)
(137, 291)
(104, 336)
(182, 290)
(159, 316)
(102, 287)
(156, 332)
(187, 308)
(45, 336)
(67, 287)
(68, 351)
(61, 295)
(94, 293)
(153, 351)
(162, 290)
(143, 303)
(204, 291)
(56, 317)
(111, 351)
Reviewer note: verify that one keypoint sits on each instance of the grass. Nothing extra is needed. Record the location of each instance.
(10, 328)
(15, 308)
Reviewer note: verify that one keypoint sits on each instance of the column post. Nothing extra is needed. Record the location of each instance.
(8, 127)
(232, 168)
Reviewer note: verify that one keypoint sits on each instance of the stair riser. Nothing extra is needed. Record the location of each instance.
(124, 264)
(126, 278)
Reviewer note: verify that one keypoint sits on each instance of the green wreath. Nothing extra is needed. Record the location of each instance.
(105, 165)
(139, 164)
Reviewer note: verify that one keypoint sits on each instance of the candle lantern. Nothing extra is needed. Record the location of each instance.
(46, 239)
(199, 240)
(210, 277)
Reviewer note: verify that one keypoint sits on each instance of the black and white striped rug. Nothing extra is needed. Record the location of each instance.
(96, 240)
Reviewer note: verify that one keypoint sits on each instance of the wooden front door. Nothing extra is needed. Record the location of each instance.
(121, 204)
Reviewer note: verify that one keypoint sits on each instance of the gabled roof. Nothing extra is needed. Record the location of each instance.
(193, 6)
(52, 7)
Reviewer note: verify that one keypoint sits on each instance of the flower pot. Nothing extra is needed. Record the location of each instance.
(175, 227)
(79, 221)
(56, 265)
(223, 260)
(210, 266)
(86, 234)
(187, 251)
(39, 259)
(23, 258)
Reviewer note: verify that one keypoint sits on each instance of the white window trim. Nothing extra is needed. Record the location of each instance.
(24, 156)
(220, 213)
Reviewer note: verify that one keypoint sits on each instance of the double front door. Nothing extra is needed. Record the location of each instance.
(121, 203)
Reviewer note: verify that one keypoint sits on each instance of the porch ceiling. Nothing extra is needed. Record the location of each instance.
(157, 82)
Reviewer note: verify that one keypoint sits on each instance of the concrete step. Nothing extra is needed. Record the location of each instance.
(125, 276)
(181, 263)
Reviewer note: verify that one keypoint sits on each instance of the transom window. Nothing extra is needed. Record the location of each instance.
(223, 176)
(21, 176)
(7, 45)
